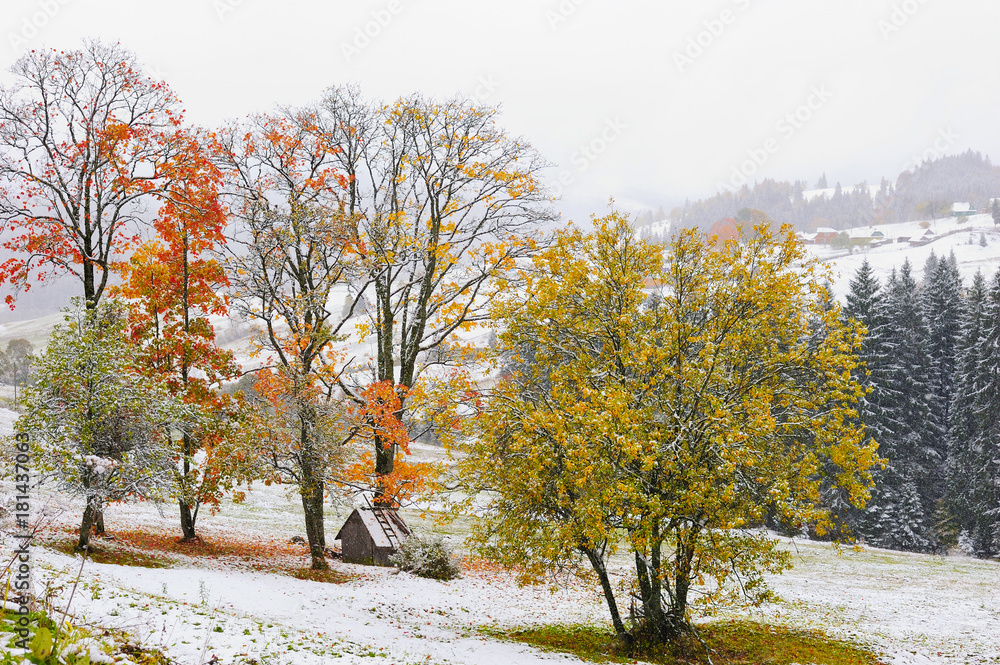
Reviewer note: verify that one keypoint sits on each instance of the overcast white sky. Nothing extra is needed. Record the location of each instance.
(672, 98)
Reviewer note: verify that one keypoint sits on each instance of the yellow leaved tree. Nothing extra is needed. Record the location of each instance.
(445, 203)
(661, 401)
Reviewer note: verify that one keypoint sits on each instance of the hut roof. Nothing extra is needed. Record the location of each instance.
(394, 524)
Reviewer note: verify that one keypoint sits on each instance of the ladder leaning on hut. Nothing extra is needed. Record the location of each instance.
(383, 522)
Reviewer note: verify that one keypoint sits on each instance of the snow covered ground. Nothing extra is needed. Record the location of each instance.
(953, 235)
(916, 608)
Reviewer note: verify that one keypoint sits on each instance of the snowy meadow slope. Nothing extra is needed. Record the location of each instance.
(914, 608)
(963, 237)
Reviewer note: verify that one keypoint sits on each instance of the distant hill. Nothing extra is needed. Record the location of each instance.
(975, 242)
(926, 192)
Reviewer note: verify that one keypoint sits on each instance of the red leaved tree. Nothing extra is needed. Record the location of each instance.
(174, 284)
(87, 146)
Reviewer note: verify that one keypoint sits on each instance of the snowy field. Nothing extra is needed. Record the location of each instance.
(914, 608)
(953, 235)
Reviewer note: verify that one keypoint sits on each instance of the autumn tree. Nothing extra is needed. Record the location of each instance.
(443, 202)
(101, 427)
(174, 284)
(664, 400)
(293, 255)
(87, 145)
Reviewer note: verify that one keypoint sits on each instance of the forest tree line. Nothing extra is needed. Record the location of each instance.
(932, 357)
(926, 192)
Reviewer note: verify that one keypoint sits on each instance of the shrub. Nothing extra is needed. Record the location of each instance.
(427, 558)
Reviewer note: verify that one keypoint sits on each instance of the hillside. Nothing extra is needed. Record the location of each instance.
(961, 237)
(925, 191)
(241, 605)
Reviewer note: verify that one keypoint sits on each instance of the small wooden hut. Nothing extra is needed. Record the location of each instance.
(371, 535)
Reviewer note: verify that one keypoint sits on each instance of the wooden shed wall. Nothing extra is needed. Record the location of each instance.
(356, 544)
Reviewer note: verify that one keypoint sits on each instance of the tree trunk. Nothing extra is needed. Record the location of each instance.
(188, 518)
(655, 605)
(99, 520)
(87, 524)
(312, 504)
(609, 594)
(676, 619)
(385, 459)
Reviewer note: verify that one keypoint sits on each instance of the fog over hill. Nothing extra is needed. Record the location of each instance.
(926, 191)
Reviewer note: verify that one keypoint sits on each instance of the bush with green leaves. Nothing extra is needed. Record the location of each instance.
(99, 427)
(430, 557)
(42, 643)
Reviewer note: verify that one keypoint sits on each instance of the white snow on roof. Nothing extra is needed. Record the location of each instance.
(378, 534)
(961, 206)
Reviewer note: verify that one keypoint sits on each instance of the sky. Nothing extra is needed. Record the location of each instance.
(648, 102)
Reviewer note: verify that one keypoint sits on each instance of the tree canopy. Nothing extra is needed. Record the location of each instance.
(101, 426)
(664, 400)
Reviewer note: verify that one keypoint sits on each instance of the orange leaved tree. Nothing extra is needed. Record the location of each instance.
(292, 260)
(174, 284)
(86, 144)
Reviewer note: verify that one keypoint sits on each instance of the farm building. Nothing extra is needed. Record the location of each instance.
(371, 535)
(962, 209)
(926, 237)
(867, 237)
(825, 235)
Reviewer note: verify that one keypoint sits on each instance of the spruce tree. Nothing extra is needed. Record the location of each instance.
(942, 309)
(964, 424)
(985, 445)
(898, 515)
(866, 305)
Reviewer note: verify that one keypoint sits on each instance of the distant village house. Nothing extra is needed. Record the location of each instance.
(962, 209)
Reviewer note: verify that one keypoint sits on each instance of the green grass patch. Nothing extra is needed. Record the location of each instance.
(329, 576)
(109, 553)
(729, 642)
